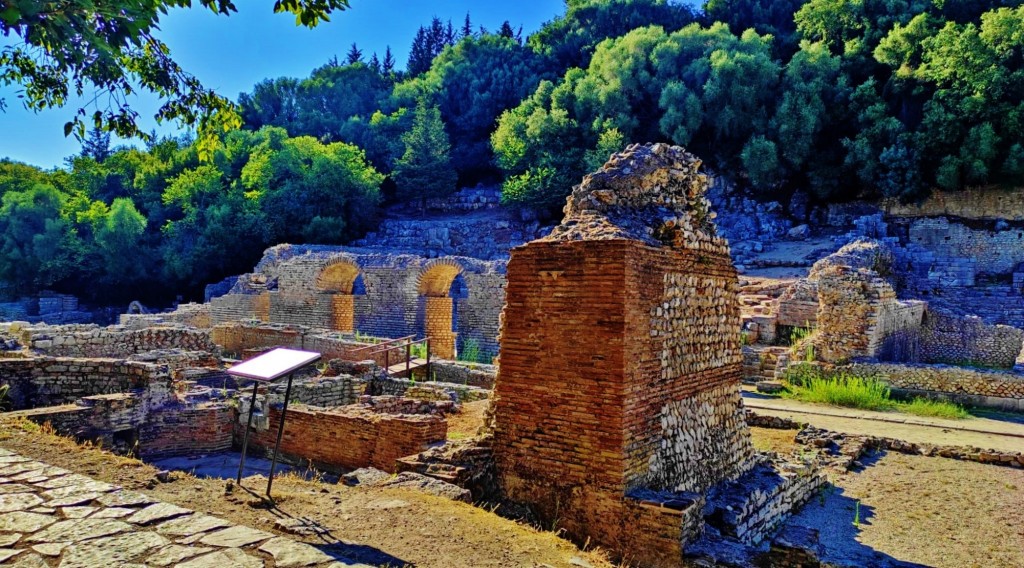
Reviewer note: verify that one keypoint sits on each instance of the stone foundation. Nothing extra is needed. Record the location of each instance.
(50, 381)
(349, 437)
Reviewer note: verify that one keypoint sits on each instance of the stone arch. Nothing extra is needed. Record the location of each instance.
(435, 286)
(341, 280)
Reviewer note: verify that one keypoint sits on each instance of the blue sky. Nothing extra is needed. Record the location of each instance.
(231, 54)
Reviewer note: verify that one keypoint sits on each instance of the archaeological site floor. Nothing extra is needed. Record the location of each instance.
(376, 526)
(923, 511)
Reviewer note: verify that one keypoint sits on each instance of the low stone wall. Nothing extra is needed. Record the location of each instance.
(176, 359)
(349, 437)
(49, 381)
(323, 392)
(798, 305)
(459, 372)
(113, 341)
(990, 203)
(436, 391)
(183, 429)
(192, 315)
(973, 387)
(969, 341)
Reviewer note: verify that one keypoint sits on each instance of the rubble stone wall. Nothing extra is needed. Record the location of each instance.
(973, 203)
(113, 341)
(976, 387)
(51, 381)
(798, 305)
(960, 250)
(349, 437)
(192, 315)
(969, 341)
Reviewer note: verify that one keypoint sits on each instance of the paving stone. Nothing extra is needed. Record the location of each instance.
(32, 473)
(175, 553)
(113, 513)
(192, 525)
(64, 481)
(8, 540)
(70, 501)
(13, 458)
(287, 553)
(6, 553)
(29, 560)
(25, 522)
(235, 537)
(112, 551)
(45, 510)
(157, 512)
(222, 558)
(77, 530)
(6, 480)
(9, 488)
(50, 548)
(89, 486)
(126, 499)
(18, 502)
(77, 512)
(13, 469)
(4, 452)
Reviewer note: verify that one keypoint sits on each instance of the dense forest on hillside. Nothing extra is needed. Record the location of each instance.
(841, 98)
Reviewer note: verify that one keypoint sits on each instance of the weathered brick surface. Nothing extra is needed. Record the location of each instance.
(48, 381)
(181, 429)
(349, 437)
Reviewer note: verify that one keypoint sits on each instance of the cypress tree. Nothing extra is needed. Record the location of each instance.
(425, 170)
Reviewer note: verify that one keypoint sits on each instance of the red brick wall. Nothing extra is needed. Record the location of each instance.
(601, 342)
(349, 439)
(187, 430)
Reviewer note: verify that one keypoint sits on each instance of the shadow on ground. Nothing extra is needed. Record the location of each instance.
(838, 519)
(321, 537)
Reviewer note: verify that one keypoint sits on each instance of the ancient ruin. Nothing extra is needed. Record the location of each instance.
(616, 412)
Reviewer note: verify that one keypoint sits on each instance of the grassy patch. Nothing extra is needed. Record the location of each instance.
(851, 391)
(935, 408)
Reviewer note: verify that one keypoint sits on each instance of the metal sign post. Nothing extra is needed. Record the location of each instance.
(267, 368)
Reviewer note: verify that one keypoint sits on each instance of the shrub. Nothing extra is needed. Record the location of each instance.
(935, 408)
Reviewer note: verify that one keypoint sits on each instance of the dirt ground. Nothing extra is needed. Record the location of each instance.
(929, 511)
(381, 526)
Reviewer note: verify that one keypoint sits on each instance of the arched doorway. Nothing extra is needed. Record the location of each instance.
(436, 288)
(342, 281)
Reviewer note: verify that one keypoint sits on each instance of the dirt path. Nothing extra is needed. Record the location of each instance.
(984, 433)
(379, 526)
(922, 510)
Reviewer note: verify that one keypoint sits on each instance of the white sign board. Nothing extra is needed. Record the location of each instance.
(273, 364)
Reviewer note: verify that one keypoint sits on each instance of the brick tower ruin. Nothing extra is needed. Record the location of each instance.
(617, 405)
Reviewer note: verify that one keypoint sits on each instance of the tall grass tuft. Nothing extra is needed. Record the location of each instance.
(845, 390)
(935, 408)
(809, 384)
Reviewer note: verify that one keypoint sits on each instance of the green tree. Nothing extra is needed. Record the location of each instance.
(36, 242)
(118, 239)
(425, 170)
(70, 46)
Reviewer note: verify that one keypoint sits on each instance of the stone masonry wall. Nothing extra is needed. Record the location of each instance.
(187, 429)
(968, 341)
(49, 381)
(113, 341)
(648, 401)
(976, 387)
(388, 302)
(974, 203)
(349, 437)
(961, 250)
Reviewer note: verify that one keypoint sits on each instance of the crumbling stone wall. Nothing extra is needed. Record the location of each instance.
(968, 341)
(987, 203)
(976, 387)
(798, 305)
(348, 437)
(385, 297)
(49, 381)
(192, 315)
(650, 401)
(858, 310)
(113, 341)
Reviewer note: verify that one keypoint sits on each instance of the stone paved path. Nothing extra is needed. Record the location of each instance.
(981, 432)
(51, 517)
